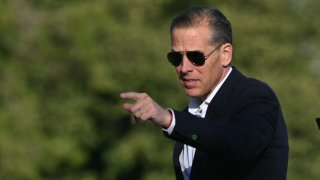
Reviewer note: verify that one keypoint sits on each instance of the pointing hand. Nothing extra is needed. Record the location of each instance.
(145, 108)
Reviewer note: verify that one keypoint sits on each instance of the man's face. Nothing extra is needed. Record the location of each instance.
(198, 81)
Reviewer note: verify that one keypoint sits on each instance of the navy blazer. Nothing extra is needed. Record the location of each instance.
(243, 135)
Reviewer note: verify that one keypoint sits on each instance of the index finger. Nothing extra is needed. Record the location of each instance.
(131, 95)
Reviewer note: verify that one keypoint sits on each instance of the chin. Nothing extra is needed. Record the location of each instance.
(192, 93)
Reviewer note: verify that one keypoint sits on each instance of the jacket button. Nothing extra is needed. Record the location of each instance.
(194, 137)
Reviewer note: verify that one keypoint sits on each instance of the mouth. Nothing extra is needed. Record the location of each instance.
(189, 83)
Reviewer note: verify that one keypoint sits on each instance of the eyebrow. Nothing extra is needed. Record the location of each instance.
(187, 51)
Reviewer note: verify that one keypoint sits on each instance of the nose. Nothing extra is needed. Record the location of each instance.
(185, 66)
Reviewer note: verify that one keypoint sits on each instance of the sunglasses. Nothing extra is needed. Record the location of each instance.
(197, 58)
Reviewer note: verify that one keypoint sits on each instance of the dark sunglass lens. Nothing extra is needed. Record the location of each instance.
(174, 58)
(197, 58)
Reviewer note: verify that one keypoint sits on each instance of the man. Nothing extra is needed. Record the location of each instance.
(233, 127)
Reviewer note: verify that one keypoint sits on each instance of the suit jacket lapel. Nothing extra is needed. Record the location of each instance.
(176, 163)
(218, 106)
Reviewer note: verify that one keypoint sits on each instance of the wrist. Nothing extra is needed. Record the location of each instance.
(168, 120)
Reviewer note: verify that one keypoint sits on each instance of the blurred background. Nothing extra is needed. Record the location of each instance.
(63, 64)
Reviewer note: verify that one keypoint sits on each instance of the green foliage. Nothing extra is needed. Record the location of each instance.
(64, 63)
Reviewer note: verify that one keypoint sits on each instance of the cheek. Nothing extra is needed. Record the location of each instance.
(177, 69)
(204, 73)
(210, 75)
(215, 67)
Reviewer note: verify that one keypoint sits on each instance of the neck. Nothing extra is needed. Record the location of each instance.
(224, 74)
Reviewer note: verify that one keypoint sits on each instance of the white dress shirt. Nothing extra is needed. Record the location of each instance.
(198, 109)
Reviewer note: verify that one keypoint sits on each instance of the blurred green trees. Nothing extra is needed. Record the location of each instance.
(64, 63)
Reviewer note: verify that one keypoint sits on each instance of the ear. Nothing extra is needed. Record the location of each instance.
(226, 50)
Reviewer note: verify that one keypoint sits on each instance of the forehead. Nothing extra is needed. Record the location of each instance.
(190, 38)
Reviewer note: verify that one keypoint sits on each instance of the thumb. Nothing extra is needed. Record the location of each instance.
(127, 106)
